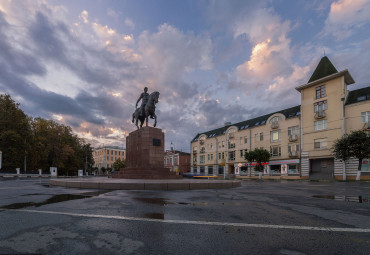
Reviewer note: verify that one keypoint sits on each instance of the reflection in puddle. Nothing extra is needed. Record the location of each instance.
(356, 199)
(156, 201)
(54, 199)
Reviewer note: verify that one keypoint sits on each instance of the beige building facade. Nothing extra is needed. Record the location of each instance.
(105, 156)
(299, 138)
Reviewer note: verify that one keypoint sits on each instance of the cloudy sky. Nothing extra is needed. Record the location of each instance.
(84, 63)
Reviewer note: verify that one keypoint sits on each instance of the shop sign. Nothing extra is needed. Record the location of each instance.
(284, 162)
(365, 165)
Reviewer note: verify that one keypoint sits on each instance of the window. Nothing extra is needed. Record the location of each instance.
(115, 153)
(320, 92)
(119, 153)
(365, 117)
(175, 160)
(275, 136)
(166, 160)
(209, 157)
(231, 145)
(111, 158)
(275, 119)
(321, 124)
(111, 153)
(293, 130)
(219, 155)
(195, 149)
(242, 152)
(201, 159)
(223, 144)
(123, 153)
(220, 169)
(261, 136)
(232, 155)
(275, 151)
(223, 155)
(211, 146)
(241, 140)
(201, 169)
(320, 106)
(320, 143)
(202, 150)
(107, 151)
(210, 169)
(245, 139)
(293, 147)
(255, 137)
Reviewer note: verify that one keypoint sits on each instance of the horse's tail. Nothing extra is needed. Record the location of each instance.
(133, 117)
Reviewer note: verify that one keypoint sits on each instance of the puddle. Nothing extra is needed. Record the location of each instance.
(355, 199)
(155, 201)
(158, 216)
(54, 199)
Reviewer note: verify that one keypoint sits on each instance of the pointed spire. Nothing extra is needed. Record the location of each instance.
(323, 69)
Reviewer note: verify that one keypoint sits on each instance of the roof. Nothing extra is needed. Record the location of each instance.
(288, 113)
(176, 152)
(323, 69)
(358, 95)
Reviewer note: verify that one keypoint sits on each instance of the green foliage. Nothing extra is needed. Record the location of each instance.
(14, 133)
(259, 156)
(44, 142)
(118, 164)
(356, 144)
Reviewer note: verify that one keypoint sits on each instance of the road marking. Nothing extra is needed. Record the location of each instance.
(210, 223)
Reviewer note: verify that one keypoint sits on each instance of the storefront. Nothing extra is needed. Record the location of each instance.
(284, 167)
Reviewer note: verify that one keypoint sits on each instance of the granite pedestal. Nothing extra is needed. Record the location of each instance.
(145, 156)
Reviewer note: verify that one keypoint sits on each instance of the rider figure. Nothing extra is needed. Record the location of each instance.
(144, 97)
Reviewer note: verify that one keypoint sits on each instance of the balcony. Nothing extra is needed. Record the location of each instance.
(293, 138)
(293, 154)
(320, 114)
(274, 125)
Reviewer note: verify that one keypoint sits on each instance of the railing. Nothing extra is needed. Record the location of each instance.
(320, 114)
(275, 125)
(293, 138)
(293, 154)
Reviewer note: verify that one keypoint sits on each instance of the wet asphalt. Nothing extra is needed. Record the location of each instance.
(38, 219)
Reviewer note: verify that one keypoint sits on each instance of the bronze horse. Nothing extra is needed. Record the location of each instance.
(149, 110)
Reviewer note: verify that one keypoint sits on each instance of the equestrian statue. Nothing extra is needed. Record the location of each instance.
(147, 108)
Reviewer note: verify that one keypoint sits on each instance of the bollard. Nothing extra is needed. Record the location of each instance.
(18, 171)
(40, 171)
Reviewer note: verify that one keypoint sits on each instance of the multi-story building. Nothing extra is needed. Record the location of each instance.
(299, 138)
(177, 161)
(105, 156)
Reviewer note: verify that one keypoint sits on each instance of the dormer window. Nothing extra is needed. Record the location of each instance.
(320, 92)
(275, 119)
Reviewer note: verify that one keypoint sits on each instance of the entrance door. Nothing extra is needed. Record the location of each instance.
(231, 169)
(322, 168)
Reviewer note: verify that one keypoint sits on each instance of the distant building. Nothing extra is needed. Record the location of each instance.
(299, 138)
(105, 156)
(177, 161)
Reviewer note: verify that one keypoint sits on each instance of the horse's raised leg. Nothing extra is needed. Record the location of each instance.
(155, 120)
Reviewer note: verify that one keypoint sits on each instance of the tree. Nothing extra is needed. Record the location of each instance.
(356, 144)
(250, 156)
(15, 133)
(118, 164)
(261, 156)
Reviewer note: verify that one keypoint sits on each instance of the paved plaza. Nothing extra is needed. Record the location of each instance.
(259, 217)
